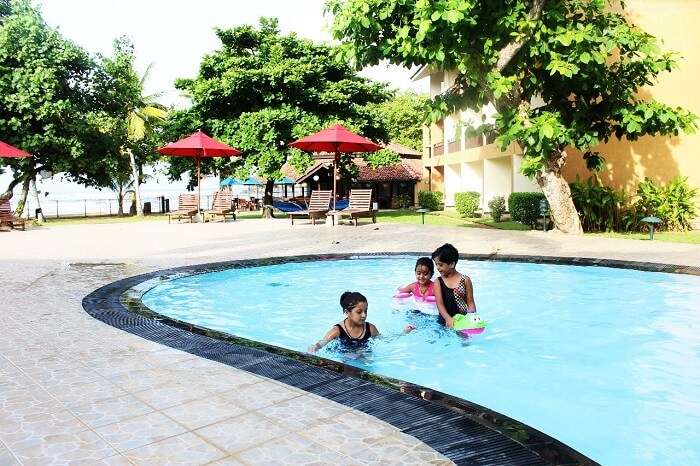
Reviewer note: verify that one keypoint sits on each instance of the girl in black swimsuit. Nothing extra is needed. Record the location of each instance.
(354, 330)
(455, 293)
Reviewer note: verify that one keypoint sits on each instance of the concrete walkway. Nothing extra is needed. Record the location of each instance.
(75, 391)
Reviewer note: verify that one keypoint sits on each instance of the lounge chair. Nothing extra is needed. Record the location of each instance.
(286, 206)
(318, 207)
(187, 206)
(222, 206)
(360, 206)
(9, 218)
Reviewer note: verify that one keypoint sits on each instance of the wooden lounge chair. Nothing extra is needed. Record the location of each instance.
(318, 207)
(187, 205)
(222, 206)
(9, 218)
(360, 206)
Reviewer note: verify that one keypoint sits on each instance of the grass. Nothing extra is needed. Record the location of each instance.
(129, 219)
(446, 218)
(690, 237)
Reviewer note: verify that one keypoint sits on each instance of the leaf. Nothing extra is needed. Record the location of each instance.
(585, 57)
(547, 131)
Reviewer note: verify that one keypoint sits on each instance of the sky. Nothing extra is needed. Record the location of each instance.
(175, 34)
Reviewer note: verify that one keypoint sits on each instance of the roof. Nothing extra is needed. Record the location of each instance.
(423, 72)
(402, 150)
(402, 171)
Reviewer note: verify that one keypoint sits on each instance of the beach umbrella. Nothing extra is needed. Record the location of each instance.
(198, 146)
(337, 139)
(231, 182)
(11, 152)
(252, 181)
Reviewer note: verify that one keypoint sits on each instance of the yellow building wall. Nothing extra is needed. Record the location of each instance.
(677, 24)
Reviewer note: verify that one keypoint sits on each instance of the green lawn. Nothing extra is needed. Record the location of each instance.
(691, 237)
(446, 218)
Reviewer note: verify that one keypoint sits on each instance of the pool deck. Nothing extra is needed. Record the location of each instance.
(76, 391)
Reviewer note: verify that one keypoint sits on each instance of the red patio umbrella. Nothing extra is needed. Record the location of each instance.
(9, 151)
(335, 139)
(199, 146)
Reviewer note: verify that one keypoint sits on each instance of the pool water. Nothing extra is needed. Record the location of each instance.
(605, 360)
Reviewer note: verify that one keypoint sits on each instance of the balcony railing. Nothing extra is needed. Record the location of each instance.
(438, 149)
(453, 146)
(474, 141)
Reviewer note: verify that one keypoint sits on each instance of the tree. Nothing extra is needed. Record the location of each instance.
(262, 90)
(404, 115)
(139, 113)
(48, 103)
(583, 58)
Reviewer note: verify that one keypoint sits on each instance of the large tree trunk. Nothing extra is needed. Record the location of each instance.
(267, 200)
(558, 194)
(35, 194)
(23, 195)
(137, 187)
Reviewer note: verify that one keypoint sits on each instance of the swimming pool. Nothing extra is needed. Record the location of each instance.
(606, 360)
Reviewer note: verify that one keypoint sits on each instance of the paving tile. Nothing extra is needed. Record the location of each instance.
(241, 432)
(76, 393)
(228, 461)
(350, 433)
(170, 394)
(100, 413)
(302, 412)
(38, 424)
(259, 395)
(139, 431)
(184, 449)
(293, 450)
(7, 458)
(62, 448)
(200, 413)
(139, 380)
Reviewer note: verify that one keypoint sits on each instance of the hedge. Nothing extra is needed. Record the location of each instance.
(430, 200)
(525, 207)
(466, 203)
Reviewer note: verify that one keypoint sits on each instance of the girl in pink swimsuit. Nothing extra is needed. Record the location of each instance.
(422, 288)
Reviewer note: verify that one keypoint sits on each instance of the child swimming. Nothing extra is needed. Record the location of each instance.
(455, 293)
(354, 330)
(423, 286)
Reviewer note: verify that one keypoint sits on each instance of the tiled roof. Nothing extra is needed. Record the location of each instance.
(402, 171)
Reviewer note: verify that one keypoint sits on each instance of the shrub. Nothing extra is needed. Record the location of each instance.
(600, 208)
(403, 201)
(430, 200)
(497, 206)
(673, 204)
(524, 207)
(466, 203)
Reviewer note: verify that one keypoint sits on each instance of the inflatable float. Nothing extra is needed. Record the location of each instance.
(468, 324)
(409, 302)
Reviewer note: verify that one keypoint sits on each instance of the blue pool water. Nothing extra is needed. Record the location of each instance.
(606, 360)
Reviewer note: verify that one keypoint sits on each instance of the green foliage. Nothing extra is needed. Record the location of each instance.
(404, 201)
(524, 207)
(600, 208)
(466, 203)
(497, 205)
(262, 90)
(585, 59)
(50, 104)
(674, 204)
(430, 200)
(404, 115)
(382, 158)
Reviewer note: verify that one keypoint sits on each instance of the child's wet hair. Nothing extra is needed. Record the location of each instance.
(426, 261)
(350, 299)
(446, 253)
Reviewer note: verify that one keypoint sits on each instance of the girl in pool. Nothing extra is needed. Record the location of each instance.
(455, 294)
(354, 330)
(422, 288)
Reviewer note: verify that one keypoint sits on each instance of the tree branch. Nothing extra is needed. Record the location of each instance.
(507, 53)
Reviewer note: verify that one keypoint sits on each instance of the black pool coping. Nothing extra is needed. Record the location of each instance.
(465, 432)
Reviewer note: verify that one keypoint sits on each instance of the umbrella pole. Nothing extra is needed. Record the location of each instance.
(335, 172)
(199, 190)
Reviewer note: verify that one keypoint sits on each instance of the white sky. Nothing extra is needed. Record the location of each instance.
(175, 34)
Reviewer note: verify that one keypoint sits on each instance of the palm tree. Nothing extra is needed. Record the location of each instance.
(140, 121)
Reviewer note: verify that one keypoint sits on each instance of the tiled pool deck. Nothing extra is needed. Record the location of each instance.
(76, 391)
